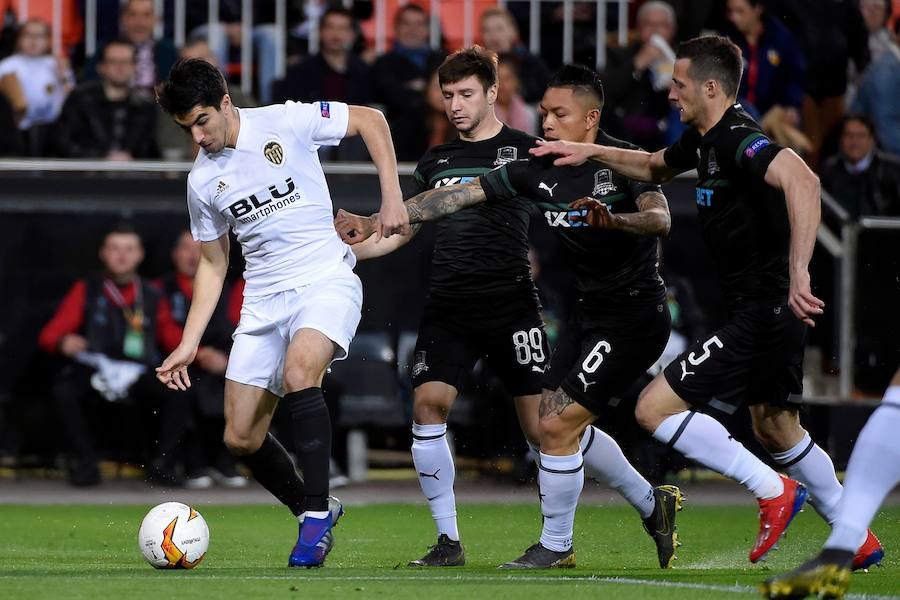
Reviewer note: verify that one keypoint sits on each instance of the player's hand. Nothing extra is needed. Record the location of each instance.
(173, 370)
(801, 299)
(355, 229)
(71, 344)
(393, 217)
(212, 360)
(598, 214)
(570, 153)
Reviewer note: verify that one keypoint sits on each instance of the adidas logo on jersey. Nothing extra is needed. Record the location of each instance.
(220, 188)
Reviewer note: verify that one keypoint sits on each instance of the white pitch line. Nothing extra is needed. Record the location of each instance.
(732, 589)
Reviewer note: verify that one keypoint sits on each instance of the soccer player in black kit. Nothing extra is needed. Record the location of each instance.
(758, 205)
(622, 322)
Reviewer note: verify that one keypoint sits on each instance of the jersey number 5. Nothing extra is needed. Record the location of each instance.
(707, 349)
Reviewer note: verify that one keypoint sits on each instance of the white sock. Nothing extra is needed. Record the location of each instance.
(810, 465)
(313, 514)
(873, 471)
(704, 440)
(603, 460)
(434, 464)
(561, 479)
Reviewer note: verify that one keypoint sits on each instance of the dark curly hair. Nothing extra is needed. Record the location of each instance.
(192, 82)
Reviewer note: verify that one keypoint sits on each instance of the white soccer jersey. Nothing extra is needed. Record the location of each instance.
(271, 191)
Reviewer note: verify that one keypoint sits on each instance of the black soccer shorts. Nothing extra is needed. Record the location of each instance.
(507, 332)
(755, 358)
(598, 358)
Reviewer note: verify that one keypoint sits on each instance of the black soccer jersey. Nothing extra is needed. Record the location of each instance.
(744, 220)
(482, 250)
(610, 266)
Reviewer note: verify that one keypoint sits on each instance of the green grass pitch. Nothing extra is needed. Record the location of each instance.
(91, 552)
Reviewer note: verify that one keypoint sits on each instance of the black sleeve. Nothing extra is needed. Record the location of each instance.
(642, 187)
(683, 153)
(507, 182)
(751, 150)
(416, 184)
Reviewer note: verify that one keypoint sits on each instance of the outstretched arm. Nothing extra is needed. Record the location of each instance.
(802, 193)
(636, 164)
(372, 126)
(439, 202)
(357, 231)
(652, 219)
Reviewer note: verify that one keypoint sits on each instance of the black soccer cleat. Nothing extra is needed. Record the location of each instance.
(661, 524)
(825, 576)
(446, 553)
(538, 557)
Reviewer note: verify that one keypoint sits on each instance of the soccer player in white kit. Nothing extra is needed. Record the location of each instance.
(258, 173)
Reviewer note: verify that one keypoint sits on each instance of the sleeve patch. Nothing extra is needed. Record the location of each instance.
(325, 109)
(751, 146)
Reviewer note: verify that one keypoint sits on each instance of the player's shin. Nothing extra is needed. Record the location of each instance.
(561, 479)
(312, 435)
(434, 464)
(810, 465)
(273, 468)
(704, 440)
(603, 460)
(873, 471)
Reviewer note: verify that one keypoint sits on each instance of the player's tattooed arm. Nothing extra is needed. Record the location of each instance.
(359, 232)
(439, 202)
(652, 219)
(554, 403)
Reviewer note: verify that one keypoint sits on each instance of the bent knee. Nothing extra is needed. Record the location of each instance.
(555, 433)
(241, 445)
(647, 414)
(300, 377)
(431, 409)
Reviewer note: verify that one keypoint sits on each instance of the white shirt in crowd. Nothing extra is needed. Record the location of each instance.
(271, 191)
(45, 90)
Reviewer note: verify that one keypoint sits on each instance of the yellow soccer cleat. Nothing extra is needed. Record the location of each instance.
(825, 576)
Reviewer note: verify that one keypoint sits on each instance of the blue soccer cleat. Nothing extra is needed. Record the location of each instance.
(314, 543)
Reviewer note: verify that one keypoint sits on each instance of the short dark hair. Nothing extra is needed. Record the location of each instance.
(336, 11)
(121, 228)
(408, 8)
(117, 42)
(859, 118)
(714, 57)
(192, 82)
(582, 80)
(475, 60)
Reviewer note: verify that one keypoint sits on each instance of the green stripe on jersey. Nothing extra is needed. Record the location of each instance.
(504, 176)
(746, 142)
(714, 183)
(472, 172)
(565, 205)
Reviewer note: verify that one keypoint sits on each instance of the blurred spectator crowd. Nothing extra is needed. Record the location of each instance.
(808, 65)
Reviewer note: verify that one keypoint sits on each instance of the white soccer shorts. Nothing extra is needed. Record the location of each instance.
(331, 306)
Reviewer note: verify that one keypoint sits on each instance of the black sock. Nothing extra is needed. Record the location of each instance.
(312, 437)
(274, 470)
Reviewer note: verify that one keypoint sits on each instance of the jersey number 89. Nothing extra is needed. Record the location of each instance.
(529, 346)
